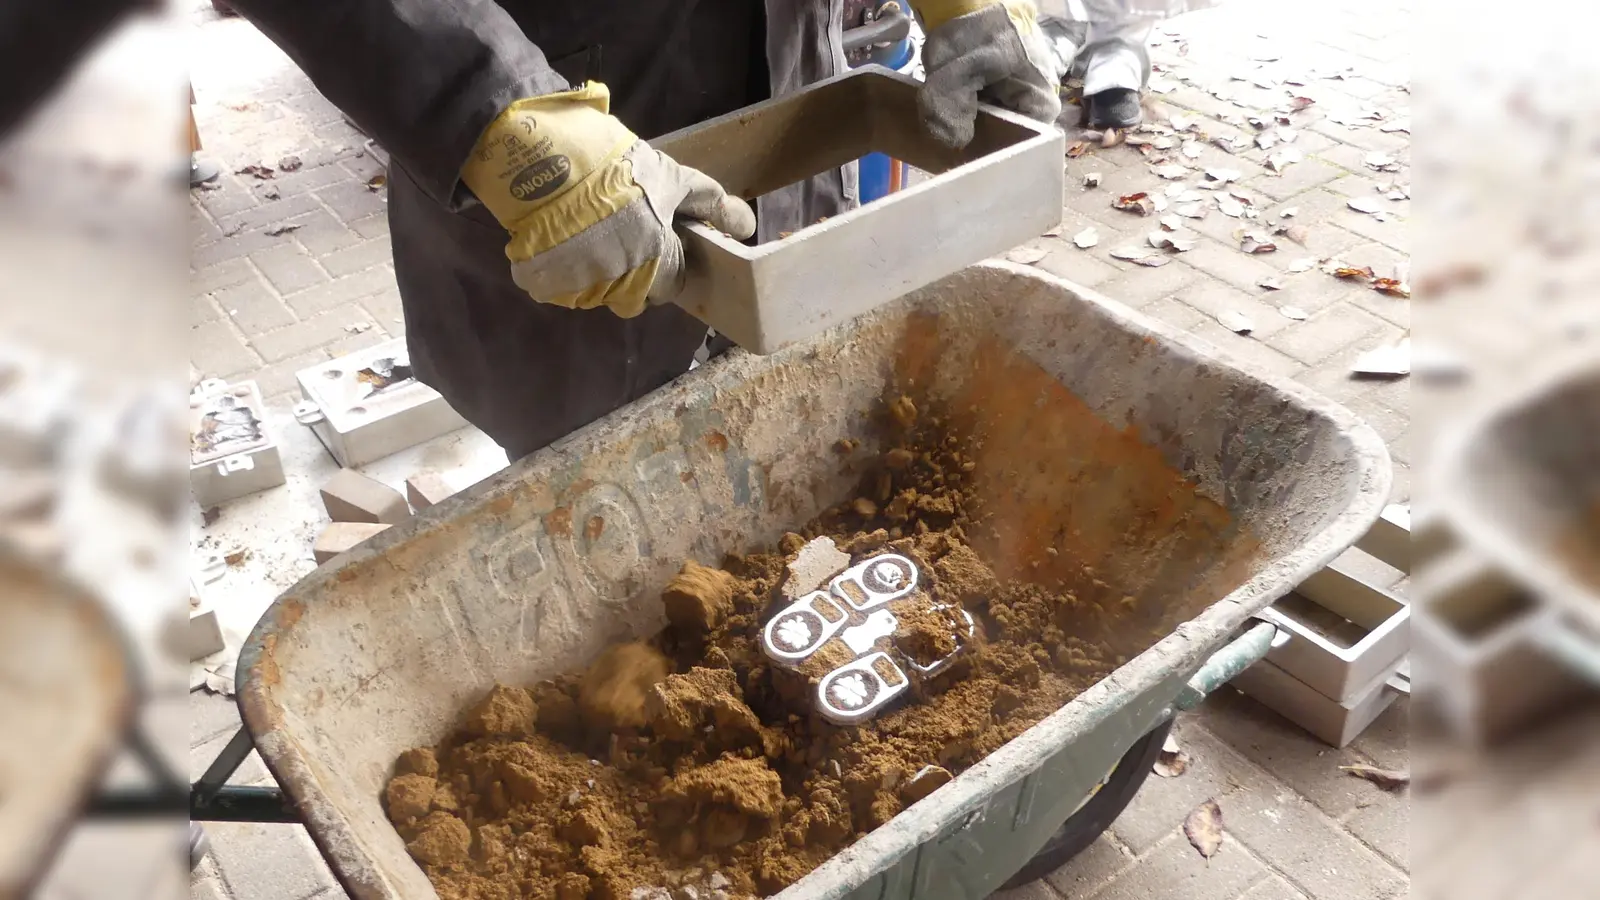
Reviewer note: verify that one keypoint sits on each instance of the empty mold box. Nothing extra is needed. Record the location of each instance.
(369, 404)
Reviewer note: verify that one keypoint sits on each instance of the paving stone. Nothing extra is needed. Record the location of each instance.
(229, 198)
(268, 861)
(289, 268)
(340, 537)
(359, 257)
(1354, 160)
(268, 213)
(1387, 421)
(372, 226)
(309, 334)
(1328, 332)
(351, 342)
(321, 233)
(277, 380)
(363, 168)
(1273, 888)
(1216, 299)
(1086, 872)
(201, 227)
(1033, 890)
(1175, 869)
(221, 275)
(114, 860)
(350, 496)
(341, 292)
(1392, 231)
(1385, 826)
(217, 352)
(231, 248)
(202, 310)
(1141, 286)
(1230, 264)
(352, 201)
(1387, 741)
(1077, 266)
(1248, 350)
(254, 307)
(1283, 748)
(211, 715)
(1174, 312)
(386, 308)
(1368, 138)
(1162, 803)
(208, 889)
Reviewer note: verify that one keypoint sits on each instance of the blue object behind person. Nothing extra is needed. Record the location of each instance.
(884, 38)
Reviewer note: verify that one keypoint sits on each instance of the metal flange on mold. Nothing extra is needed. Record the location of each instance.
(855, 610)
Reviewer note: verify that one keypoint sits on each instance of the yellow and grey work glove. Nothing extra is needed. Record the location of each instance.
(589, 206)
(988, 50)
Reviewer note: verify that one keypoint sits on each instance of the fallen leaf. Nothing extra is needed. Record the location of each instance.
(1231, 144)
(1303, 264)
(1027, 255)
(1162, 86)
(1361, 273)
(358, 327)
(1131, 254)
(1168, 240)
(1181, 123)
(1259, 123)
(1388, 779)
(270, 192)
(1284, 157)
(1203, 828)
(1255, 241)
(1171, 223)
(1135, 203)
(1077, 149)
(1294, 312)
(261, 172)
(1390, 361)
(281, 228)
(289, 164)
(1236, 322)
(1382, 162)
(1296, 233)
(1368, 205)
(1171, 172)
(1266, 140)
(377, 182)
(1192, 149)
(1223, 175)
(1153, 261)
(1229, 206)
(1112, 138)
(1172, 762)
(1190, 210)
(1091, 179)
(1289, 212)
(1086, 238)
(236, 556)
(1392, 286)
(1391, 127)
(1271, 284)
(1296, 104)
(1052, 231)
(1287, 134)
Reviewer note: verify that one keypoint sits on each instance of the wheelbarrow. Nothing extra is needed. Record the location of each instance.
(378, 650)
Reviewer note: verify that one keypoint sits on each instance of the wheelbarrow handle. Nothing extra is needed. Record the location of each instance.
(1240, 654)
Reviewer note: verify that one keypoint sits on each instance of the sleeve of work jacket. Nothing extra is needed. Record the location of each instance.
(421, 77)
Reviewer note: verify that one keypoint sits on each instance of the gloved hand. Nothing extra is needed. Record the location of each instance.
(589, 206)
(989, 50)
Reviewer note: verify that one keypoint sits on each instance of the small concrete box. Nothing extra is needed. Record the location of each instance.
(368, 404)
(231, 451)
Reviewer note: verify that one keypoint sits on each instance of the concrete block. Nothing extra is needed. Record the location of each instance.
(277, 861)
(341, 536)
(350, 496)
(205, 633)
(426, 489)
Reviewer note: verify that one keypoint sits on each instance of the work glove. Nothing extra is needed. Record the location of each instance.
(984, 50)
(589, 206)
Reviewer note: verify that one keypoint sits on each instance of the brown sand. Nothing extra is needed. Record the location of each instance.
(699, 765)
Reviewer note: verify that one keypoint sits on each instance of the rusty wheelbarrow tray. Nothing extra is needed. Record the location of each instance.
(1520, 483)
(379, 650)
(68, 699)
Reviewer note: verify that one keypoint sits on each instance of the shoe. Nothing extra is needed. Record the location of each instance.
(202, 171)
(1114, 108)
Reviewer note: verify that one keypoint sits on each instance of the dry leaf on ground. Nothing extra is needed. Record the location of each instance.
(1266, 140)
(1091, 179)
(1027, 255)
(377, 181)
(1392, 286)
(1172, 762)
(1237, 322)
(1304, 264)
(1389, 361)
(1112, 138)
(1271, 284)
(281, 228)
(1052, 231)
(1284, 157)
(1368, 205)
(1190, 210)
(1254, 241)
(1231, 144)
(1223, 175)
(1203, 828)
(1135, 203)
(1077, 149)
(1294, 312)
(1171, 172)
(1168, 240)
(262, 172)
(1359, 273)
(1229, 206)
(289, 164)
(1382, 162)
(1192, 149)
(1388, 779)
(1086, 238)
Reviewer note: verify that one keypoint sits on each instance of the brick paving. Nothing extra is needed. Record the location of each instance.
(268, 301)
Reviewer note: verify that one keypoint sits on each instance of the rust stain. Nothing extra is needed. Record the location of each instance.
(686, 477)
(595, 528)
(499, 506)
(579, 486)
(559, 522)
(290, 609)
(717, 441)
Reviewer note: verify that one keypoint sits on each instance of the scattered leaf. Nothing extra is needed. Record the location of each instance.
(1223, 175)
(1392, 286)
(1192, 149)
(1289, 212)
(1254, 241)
(1237, 322)
(1303, 264)
(1181, 123)
(1287, 134)
(1171, 223)
(1390, 361)
(1162, 85)
(1284, 157)
(1391, 127)
(1361, 273)
(1266, 140)
(1131, 254)
(1171, 172)
(289, 164)
(270, 192)
(1169, 240)
(1172, 762)
(1052, 231)
(1091, 180)
(1296, 104)
(376, 182)
(1231, 144)
(261, 172)
(1368, 205)
(1203, 828)
(1271, 284)
(1135, 203)
(1112, 138)
(1027, 255)
(1153, 261)
(1229, 206)
(281, 228)
(1190, 210)
(358, 327)
(1086, 238)
(1296, 233)
(1294, 312)
(1382, 162)
(1077, 149)
(1388, 779)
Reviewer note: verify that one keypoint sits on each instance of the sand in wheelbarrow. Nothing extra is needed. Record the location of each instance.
(692, 767)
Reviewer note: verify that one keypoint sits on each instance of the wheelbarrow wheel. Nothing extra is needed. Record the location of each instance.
(1093, 818)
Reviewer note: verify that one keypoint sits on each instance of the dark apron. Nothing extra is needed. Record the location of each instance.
(524, 372)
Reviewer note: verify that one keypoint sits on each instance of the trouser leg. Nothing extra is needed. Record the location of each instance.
(1117, 55)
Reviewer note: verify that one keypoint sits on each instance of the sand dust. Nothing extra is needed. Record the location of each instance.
(695, 763)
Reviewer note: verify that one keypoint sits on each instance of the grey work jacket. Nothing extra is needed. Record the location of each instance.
(425, 77)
